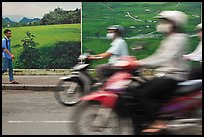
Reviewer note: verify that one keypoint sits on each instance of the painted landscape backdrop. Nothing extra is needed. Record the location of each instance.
(53, 42)
(138, 20)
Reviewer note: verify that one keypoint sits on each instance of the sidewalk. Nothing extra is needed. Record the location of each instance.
(31, 82)
(36, 79)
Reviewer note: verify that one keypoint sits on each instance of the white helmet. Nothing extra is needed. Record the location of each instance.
(199, 26)
(178, 17)
(116, 27)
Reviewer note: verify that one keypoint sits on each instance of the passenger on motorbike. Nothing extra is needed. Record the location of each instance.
(118, 48)
(171, 68)
(196, 55)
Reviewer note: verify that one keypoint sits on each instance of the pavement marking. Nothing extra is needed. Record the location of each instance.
(20, 121)
(41, 121)
(54, 121)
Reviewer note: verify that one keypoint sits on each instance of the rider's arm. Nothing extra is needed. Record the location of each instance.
(100, 56)
(193, 57)
(168, 50)
(196, 55)
(112, 50)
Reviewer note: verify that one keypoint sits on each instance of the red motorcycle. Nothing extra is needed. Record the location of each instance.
(110, 111)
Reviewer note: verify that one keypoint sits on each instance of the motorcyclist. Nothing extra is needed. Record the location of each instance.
(171, 68)
(196, 55)
(118, 49)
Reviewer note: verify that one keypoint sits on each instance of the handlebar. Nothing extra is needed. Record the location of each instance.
(85, 57)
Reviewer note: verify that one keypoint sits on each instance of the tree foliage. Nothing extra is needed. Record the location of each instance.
(29, 58)
(57, 16)
(60, 16)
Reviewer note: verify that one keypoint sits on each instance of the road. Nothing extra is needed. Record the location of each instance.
(34, 113)
(27, 112)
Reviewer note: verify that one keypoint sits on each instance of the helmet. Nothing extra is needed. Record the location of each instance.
(178, 17)
(116, 27)
(199, 27)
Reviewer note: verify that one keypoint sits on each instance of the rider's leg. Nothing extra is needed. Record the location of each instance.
(104, 71)
(150, 95)
(196, 73)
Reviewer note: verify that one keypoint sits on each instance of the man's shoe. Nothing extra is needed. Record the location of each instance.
(14, 82)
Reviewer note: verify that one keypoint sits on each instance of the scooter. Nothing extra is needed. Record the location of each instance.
(110, 111)
(71, 88)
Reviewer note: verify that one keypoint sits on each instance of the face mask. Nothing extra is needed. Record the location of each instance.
(164, 28)
(110, 35)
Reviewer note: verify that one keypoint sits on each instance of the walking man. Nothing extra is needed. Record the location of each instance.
(7, 56)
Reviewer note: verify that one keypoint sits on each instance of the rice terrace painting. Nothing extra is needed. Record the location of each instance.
(138, 20)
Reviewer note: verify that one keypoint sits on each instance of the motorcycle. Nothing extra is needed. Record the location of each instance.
(71, 88)
(110, 111)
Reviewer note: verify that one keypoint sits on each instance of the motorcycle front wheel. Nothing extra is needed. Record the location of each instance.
(90, 118)
(69, 92)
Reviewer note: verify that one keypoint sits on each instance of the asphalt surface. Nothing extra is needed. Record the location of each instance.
(27, 112)
(34, 113)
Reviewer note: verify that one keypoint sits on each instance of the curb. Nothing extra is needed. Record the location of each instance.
(41, 72)
(28, 87)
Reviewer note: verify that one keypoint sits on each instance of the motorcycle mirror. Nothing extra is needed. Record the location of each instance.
(138, 46)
